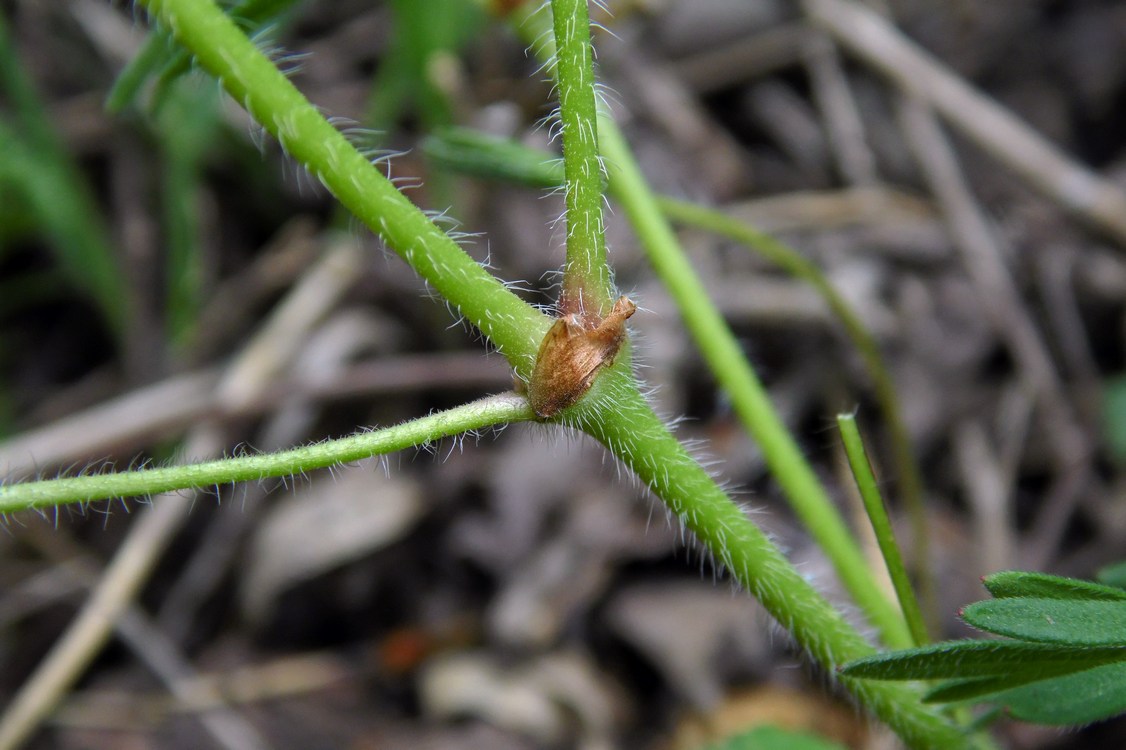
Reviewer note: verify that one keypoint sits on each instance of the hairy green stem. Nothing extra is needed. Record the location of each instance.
(616, 414)
(511, 324)
(614, 410)
(474, 153)
(486, 412)
(748, 396)
(719, 347)
(881, 525)
(586, 277)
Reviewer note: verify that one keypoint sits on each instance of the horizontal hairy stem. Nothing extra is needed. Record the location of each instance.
(486, 412)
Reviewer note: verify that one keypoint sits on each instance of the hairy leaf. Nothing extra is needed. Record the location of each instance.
(1014, 583)
(979, 658)
(1066, 622)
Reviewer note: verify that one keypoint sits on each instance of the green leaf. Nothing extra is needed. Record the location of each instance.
(1015, 583)
(1113, 575)
(775, 738)
(980, 658)
(1078, 698)
(1062, 621)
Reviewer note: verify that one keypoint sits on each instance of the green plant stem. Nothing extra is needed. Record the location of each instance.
(486, 412)
(719, 347)
(616, 414)
(881, 525)
(586, 277)
(907, 467)
(471, 152)
(512, 325)
(808, 498)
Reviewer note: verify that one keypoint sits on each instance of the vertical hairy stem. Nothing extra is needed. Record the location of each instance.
(251, 79)
(586, 278)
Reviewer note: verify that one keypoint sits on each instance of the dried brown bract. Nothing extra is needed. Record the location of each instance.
(572, 353)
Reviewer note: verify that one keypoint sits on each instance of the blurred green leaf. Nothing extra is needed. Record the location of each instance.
(775, 738)
(188, 126)
(1114, 416)
(409, 76)
(471, 152)
(1079, 698)
(1113, 575)
(37, 165)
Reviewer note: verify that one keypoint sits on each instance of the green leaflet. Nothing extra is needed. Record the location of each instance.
(1014, 583)
(1064, 621)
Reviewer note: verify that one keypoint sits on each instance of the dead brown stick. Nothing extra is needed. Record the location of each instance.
(991, 126)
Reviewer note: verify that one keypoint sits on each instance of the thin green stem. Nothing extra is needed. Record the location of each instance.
(881, 525)
(486, 412)
(616, 414)
(719, 347)
(512, 325)
(586, 277)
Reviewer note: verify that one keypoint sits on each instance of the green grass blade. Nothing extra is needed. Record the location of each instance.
(881, 526)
